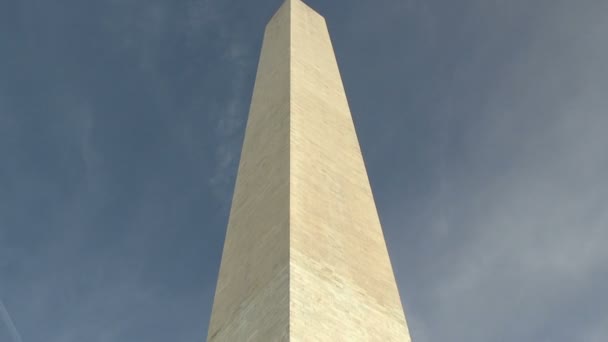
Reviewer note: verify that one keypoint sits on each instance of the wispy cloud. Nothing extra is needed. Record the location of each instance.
(8, 321)
(516, 237)
(597, 332)
(231, 119)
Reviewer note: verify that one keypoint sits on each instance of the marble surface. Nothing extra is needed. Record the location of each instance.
(304, 257)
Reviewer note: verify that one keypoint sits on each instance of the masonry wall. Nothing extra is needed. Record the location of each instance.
(304, 257)
(252, 296)
(342, 286)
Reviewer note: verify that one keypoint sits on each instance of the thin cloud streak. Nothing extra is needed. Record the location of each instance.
(8, 321)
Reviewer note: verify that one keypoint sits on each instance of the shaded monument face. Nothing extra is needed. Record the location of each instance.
(304, 257)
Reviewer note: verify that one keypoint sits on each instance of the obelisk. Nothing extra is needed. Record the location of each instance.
(304, 257)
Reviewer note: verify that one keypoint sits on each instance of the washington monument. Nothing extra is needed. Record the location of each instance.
(304, 257)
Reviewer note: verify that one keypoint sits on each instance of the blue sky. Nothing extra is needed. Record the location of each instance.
(482, 124)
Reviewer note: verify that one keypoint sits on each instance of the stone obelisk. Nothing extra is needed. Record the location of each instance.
(304, 257)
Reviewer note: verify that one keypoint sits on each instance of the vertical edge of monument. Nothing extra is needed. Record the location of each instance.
(342, 286)
(252, 295)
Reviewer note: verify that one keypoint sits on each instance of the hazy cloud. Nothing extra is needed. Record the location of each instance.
(518, 224)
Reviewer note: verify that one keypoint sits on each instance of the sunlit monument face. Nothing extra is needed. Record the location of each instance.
(304, 257)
